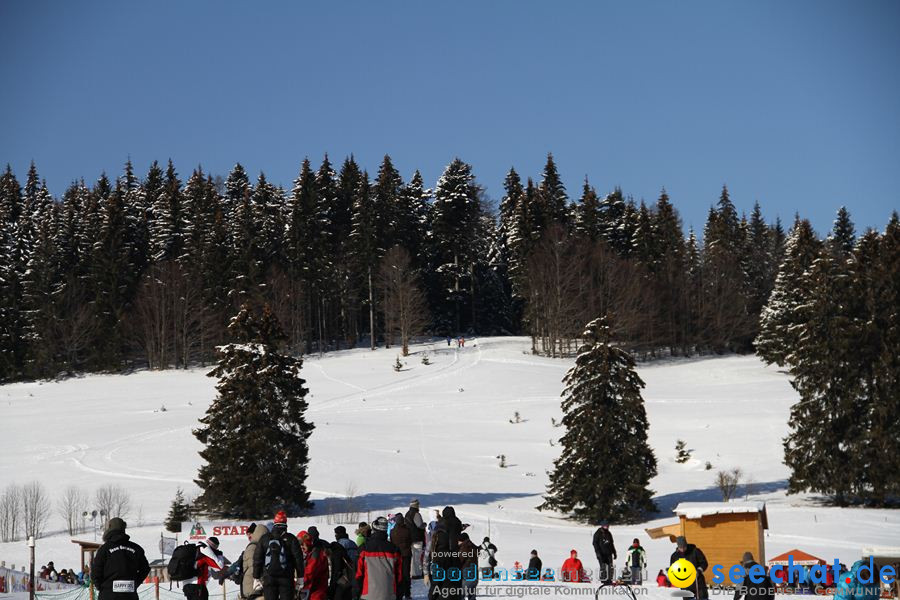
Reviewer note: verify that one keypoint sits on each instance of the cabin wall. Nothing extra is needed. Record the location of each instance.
(724, 538)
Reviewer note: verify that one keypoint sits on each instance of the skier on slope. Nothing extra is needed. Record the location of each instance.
(605, 550)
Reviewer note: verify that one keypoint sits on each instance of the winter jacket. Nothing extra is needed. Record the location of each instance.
(362, 534)
(400, 536)
(486, 558)
(247, 590)
(637, 557)
(453, 526)
(662, 580)
(572, 570)
(207, 559)
(764, 590)
(379, 568)
(695, 556)
(604, 547)
(468, 558)
(315, 572)
(535, 564)
(351, 549)
(856, 590)
(290, 546)
(415, 524)
(119, 564)
(441, 554)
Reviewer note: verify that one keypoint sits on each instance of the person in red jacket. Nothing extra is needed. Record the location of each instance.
(662, 580)
(572, 569)
(208, 557)
(315, 572)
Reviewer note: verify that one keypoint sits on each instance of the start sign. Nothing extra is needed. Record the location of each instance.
(229, 530)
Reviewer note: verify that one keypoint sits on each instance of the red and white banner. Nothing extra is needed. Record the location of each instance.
(17, 581)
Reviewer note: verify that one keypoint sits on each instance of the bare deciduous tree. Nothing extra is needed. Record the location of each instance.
(728, 482)
(114, 500)
(35, 508)
(71, 506)
(10, 513)
(404, 308)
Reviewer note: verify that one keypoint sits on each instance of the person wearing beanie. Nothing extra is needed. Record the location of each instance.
(605, 550)
(208, 557)
(487, 559)
(249, 589)
(572, 570)
(416, 525)
(535, 566)
(119, 565)
(763, 590)
(344, 554)
(695, 556)
(316, 568)
(362, 532)
(637, 562)
(378, 569)
(400, 537)
(278, 561)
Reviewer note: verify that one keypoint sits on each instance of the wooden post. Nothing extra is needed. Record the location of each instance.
(223, 589)
(156, 586)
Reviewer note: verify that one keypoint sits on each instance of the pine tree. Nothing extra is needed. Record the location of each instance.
(777, 337)
(553, 195)
(586, 219)
(178, 513)
(12, 345)
(606, 462)
(256, 423)
(843, 235)
(612, 222)
(758, 263)
(363, 249)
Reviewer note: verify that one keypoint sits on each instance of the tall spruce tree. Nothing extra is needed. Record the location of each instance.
(843, 234)
(606, 463)
(778, 333)
(178, 512)
(257, 424)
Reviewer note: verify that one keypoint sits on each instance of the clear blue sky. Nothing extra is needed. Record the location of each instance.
(792, 103)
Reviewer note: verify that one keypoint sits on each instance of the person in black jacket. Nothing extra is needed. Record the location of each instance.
(764, 590)
(276, 560)
(120, 565)
(535, 565)
(605, 550)
(453, 527)
(693, 555)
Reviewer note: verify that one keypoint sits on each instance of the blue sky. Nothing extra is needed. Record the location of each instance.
(792, 103)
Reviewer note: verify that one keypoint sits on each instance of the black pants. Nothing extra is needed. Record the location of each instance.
(278, 588)
(607, 572)
(192, 591)
(404, 589)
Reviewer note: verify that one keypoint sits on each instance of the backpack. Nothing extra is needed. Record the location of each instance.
(183, 564)
(276, 559)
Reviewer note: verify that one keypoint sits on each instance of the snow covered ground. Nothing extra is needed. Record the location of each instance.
(432, 432)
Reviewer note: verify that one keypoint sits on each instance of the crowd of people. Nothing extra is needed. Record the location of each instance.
(48, 572)
(380, 563)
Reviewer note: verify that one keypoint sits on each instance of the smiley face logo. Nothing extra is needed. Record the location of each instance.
(682, 573)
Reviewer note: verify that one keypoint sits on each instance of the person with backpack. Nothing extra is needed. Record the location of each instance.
(400, 536)
(349, 555)
(486, 559)
(378, 568)
(605, 550)
(416, 525)
(119, 566)
(637, 561)
(208, 557)
(316, 567)
(275, 561)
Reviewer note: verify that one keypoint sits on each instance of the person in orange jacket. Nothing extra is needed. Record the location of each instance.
(572, 570)
(315, 572)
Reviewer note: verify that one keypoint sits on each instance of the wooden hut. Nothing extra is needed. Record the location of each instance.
(722, 530)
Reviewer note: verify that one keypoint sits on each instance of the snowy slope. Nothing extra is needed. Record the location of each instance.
(431, 432)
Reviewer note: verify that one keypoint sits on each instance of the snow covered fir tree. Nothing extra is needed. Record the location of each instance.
(256, 424)
(606, 464)
(179, 512)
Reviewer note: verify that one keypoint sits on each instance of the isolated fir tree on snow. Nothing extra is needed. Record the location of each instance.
(256, 425)
(178, 512)
(606, 463)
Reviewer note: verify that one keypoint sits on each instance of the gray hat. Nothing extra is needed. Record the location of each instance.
(414, 503)
(115, 524)
(681, 542)
(747, 559)
(380, 524)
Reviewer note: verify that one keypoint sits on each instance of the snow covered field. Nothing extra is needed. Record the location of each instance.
(434, 433)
